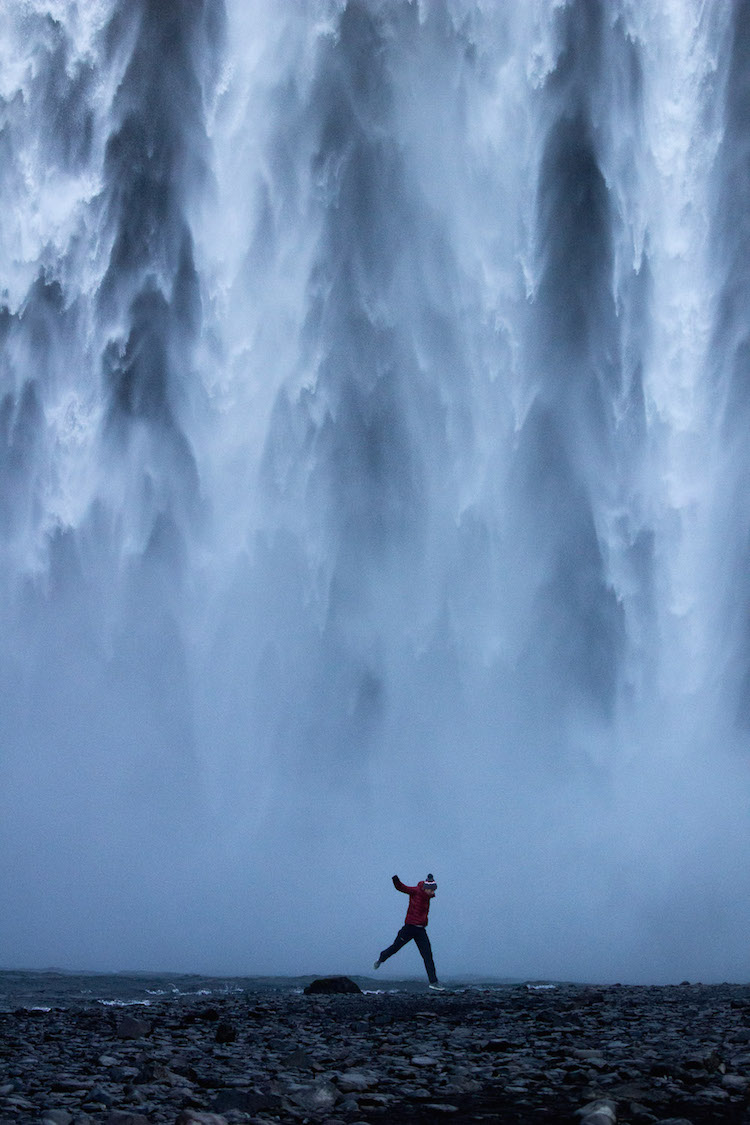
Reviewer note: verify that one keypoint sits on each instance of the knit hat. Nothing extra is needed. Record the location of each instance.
(430, 884)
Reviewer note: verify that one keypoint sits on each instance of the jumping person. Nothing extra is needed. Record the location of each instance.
(415, 926)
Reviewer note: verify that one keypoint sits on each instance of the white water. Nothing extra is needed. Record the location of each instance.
(372, 484)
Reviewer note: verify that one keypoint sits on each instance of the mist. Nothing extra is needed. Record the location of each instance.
(374, 485)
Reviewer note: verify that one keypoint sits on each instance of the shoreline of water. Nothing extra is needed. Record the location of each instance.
(46, 989)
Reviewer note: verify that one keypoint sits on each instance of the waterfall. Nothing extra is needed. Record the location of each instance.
(373, 483)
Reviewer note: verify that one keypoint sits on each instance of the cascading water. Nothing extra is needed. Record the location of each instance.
(373, 483)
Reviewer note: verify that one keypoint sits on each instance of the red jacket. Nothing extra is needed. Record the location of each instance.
(419, 902)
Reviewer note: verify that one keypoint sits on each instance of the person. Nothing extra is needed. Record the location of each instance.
(415, 926)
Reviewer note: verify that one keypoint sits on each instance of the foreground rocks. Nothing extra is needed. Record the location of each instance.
(598, 1056)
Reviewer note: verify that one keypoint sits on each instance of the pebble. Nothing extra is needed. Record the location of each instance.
(606, 1056)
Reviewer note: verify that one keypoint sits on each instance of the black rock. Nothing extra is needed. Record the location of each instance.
(244, 1101)
(131, 1028)
(329, 986)
(226, 1033)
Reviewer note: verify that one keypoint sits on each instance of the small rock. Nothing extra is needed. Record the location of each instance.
(17, 1102)
(639, 1113)
(131, 1028)
(423, 1060)
(736, 1082)
(355, 1082)
(57, 1117)
(246, 1101)
(198, 1117)
(314, 1099)
(298, 1058)
(226, 1033)
(99, 1094)
(599, 1112)
(715, 1093)
(66, 1085)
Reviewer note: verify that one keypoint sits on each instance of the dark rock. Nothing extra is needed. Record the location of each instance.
(149, 1071)
(599, 1112)
(198, 1117)
(328, 986)
(298, 1058)
(736, 1082)
(226, 1033)
(246, 1101)
(641, 1115)
(258, 1012)
(355, 1082)
(99, 1094)
(62, 1084)
(56, 1117)
(320, 1098)
(130, 1028)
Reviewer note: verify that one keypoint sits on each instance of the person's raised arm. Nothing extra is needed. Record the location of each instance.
(402, 886)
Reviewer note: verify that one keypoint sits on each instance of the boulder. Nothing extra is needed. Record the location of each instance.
(330, 986)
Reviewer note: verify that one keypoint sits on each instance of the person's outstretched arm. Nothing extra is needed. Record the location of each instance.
(402, 886)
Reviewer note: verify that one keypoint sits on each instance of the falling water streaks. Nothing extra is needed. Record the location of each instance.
(682, 90)
(357, 459)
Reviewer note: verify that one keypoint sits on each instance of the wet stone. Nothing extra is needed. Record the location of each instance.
(130, 1028)
(482, 1055)
(353, 1081)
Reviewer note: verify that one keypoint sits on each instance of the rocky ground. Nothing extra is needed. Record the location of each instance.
(575, 1054)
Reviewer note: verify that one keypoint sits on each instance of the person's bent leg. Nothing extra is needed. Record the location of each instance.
(403, 936)
(424, 947)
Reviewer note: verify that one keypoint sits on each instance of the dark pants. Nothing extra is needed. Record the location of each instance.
(419, 933)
